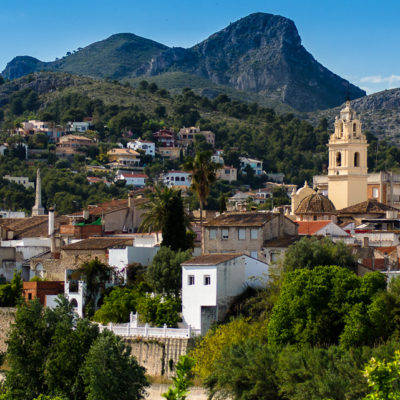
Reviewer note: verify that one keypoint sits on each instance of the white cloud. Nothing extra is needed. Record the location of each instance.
(377, 79)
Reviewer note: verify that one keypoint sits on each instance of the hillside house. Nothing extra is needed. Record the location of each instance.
(211, 282)
(20, 180)
(165, 138)
(187, 136)
(124, 157)
(227, 173)
(177, 178)
(171, 153)
(255, 165)
(245, 232)
(148, 147)
(132, 179)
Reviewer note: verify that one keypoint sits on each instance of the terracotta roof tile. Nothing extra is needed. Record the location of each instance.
(100, 243)
(316, 204)
(212, 259)
(241, 219)
(285, 241)
(368, 207)
(311, 227)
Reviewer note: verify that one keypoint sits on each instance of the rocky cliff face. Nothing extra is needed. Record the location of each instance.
(261, 53)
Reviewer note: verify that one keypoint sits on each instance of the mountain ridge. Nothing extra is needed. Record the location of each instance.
(260, 53)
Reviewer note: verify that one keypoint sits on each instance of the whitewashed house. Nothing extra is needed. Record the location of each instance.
(210, 283)
(78, 126)
(177, 178)
(147, 146)
(134, 179)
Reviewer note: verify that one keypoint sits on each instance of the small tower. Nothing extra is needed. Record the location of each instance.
(38, 209)
(348, 171)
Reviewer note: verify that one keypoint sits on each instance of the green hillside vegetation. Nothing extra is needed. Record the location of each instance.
(119, 112)
(308, 335)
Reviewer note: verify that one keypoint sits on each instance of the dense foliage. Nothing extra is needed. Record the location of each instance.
(164, 274)
(10, 293)
(50, 353)
(308, 334)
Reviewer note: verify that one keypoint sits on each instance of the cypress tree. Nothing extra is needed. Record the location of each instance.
(173, 228)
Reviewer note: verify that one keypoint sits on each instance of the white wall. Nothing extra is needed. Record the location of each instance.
(120, 258)
(256, 272)
(197, 295)
(332, 230)
(228, 280)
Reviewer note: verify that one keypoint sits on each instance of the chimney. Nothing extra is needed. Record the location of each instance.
(130, 200)
(38, 209)
(51, 221)
(51, 231)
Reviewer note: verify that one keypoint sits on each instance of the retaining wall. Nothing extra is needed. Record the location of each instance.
(7, 316)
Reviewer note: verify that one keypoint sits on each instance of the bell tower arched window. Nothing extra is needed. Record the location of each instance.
(357, 159)
(338, 159)
(354, 129)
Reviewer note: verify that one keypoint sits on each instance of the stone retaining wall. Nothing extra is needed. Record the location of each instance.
(7, 316)
(159, 355)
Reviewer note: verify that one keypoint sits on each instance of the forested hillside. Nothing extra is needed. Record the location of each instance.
(119, 113)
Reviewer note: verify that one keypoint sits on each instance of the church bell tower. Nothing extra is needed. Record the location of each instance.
(348, 171)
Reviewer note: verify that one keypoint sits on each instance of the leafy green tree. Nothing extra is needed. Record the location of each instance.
(95, 274)
(314, 304)
(210, 349)
(109, 373)
(117, 305)
(383, 378)
(157, 310)
(182, 379)
(10, 293)
(164, 274)
(245, 370)
(203, 175)
(311, 252)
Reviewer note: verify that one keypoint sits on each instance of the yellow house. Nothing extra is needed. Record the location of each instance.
(127, 157)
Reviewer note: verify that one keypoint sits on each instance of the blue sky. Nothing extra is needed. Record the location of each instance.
(358, 40)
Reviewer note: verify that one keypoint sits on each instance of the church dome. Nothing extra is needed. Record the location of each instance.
(316, 204)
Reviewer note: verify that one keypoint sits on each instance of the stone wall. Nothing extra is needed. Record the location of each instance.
(159, 355)
(7, 316)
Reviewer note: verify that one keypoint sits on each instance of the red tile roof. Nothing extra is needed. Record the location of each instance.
(311, 227)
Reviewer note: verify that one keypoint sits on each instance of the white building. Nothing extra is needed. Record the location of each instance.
(78, 126)
(138, 180)
(256, 165)
(148, 147)
(177, 178)
(210, 283)
(20, 180)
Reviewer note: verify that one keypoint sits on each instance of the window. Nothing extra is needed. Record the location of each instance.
(241, 234)
(274, 256)
(254, 254)
(29, 296)
(225, 234)
(375, 193)
(356, 159)
(354, 129)
(207, 280)
(212, 234)
(254, 234)
(190, 280)
(338, 159)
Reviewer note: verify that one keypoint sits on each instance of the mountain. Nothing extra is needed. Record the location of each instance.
(261, 54)
(379, 114)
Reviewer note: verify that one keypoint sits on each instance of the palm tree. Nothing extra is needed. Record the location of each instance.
(203, 175)
(155, 208)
